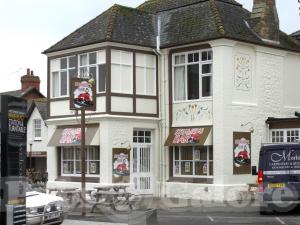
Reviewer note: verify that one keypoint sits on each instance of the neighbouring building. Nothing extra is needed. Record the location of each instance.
(36, 114)
(189, 86)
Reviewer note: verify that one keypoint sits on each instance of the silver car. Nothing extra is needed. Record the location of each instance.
(43, 208)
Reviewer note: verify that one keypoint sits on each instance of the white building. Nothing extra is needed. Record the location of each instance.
(186, 85)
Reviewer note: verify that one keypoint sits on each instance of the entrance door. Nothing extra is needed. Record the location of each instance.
(142, 176)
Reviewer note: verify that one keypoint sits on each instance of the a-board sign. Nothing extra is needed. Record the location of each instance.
(13, 122)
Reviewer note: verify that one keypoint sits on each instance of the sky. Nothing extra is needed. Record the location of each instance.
(28, 27)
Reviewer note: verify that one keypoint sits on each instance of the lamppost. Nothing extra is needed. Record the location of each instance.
(30, 155)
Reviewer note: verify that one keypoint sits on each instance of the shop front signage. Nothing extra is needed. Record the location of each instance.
(241, 153)
(121, 165)
(83, 94)
(13, 160)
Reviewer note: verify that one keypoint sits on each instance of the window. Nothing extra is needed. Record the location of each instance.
(61, 70)
(37, 129)
(93, 65)
(71, 160)
(192, 161)
(145, 74)
(192, 75)
(141, 136)
(285, 135)
(121, 72)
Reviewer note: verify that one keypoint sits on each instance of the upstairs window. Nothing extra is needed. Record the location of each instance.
(285, 135)
(61, 70)
(192, 75)
(145, 74)
(37, 129)
(121, 72)
(93, 65)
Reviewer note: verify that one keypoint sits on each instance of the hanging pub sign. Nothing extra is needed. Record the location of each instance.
(241, 153)
(121, 169)
(13, 123)
(83, 94)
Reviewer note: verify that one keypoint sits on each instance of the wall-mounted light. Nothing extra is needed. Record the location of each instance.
(128, 146)
(251, 129)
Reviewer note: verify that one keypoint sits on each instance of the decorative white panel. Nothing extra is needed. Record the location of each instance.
(121, 104)
(242, 72)
(146, 106)
(192, 114)
(60, 108)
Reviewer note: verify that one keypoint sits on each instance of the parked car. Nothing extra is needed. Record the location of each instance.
(43, 208)
(279, 177)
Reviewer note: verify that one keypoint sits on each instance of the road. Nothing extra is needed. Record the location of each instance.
(199, 217)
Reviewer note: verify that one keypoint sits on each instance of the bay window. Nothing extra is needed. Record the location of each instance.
(192, 161)
(121, 72)
(93, 65)
(61, 70)
(145, 74)
(71, 160)
(192, 75)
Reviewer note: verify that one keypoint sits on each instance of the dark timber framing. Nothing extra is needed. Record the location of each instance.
(108, 94)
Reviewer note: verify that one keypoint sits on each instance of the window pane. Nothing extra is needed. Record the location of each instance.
(115, 56)
(140, 60)
(187, 168)
(211, 155)
(179, 83)
(127, 82)
(207, 68)
(73, 73)
(83, 72)
(63, 63)
(190, 58)
(102, 78)
(150, 81)
(211, 168)
(176, 153)
(196, 57)
(206, 86)
(93, 72)
(83, 60)
(176, 168)
(150, 61)
(141, 133)
(203, 154)
(72, 61)
(55, 84)
(201, 168)
(148, 133)
(64, 83)
(140, 81)
(204, 56)
(193, 81)
(209, 55)
(94, 167)
(78, 167)
(126, 58)
(68, 167)
(68, 154)
(55, 65)
(186, 153)
(115, 78)
(92, 58)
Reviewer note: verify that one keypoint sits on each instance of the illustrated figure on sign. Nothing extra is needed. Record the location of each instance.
(242, 153)
(83, 95)
(121, 165)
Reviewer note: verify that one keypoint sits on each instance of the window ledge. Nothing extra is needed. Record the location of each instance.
(37, 139)
(191, 180)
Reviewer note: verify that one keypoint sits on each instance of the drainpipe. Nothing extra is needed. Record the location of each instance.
(162, 113)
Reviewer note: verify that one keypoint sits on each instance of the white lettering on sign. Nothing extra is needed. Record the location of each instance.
(285, 156)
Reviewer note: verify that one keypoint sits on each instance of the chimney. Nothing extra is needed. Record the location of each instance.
(29, 80)
(265, 20)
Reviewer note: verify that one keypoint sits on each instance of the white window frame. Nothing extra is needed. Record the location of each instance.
(99, 61)
(37, 126)
(145, 67)
(74, 160)
(59, 71)
(122, 76)
(285, 135)
(208, 161)
(201, 75)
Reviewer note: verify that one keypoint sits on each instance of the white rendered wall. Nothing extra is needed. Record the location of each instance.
(37, 145)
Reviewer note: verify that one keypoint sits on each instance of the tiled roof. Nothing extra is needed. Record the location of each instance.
(21, 94)
(155, 6)
(182, 22)
(118, 24)
(41, 105)
(297, 33)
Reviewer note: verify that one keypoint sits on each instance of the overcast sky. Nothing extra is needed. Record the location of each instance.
(28, 27)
